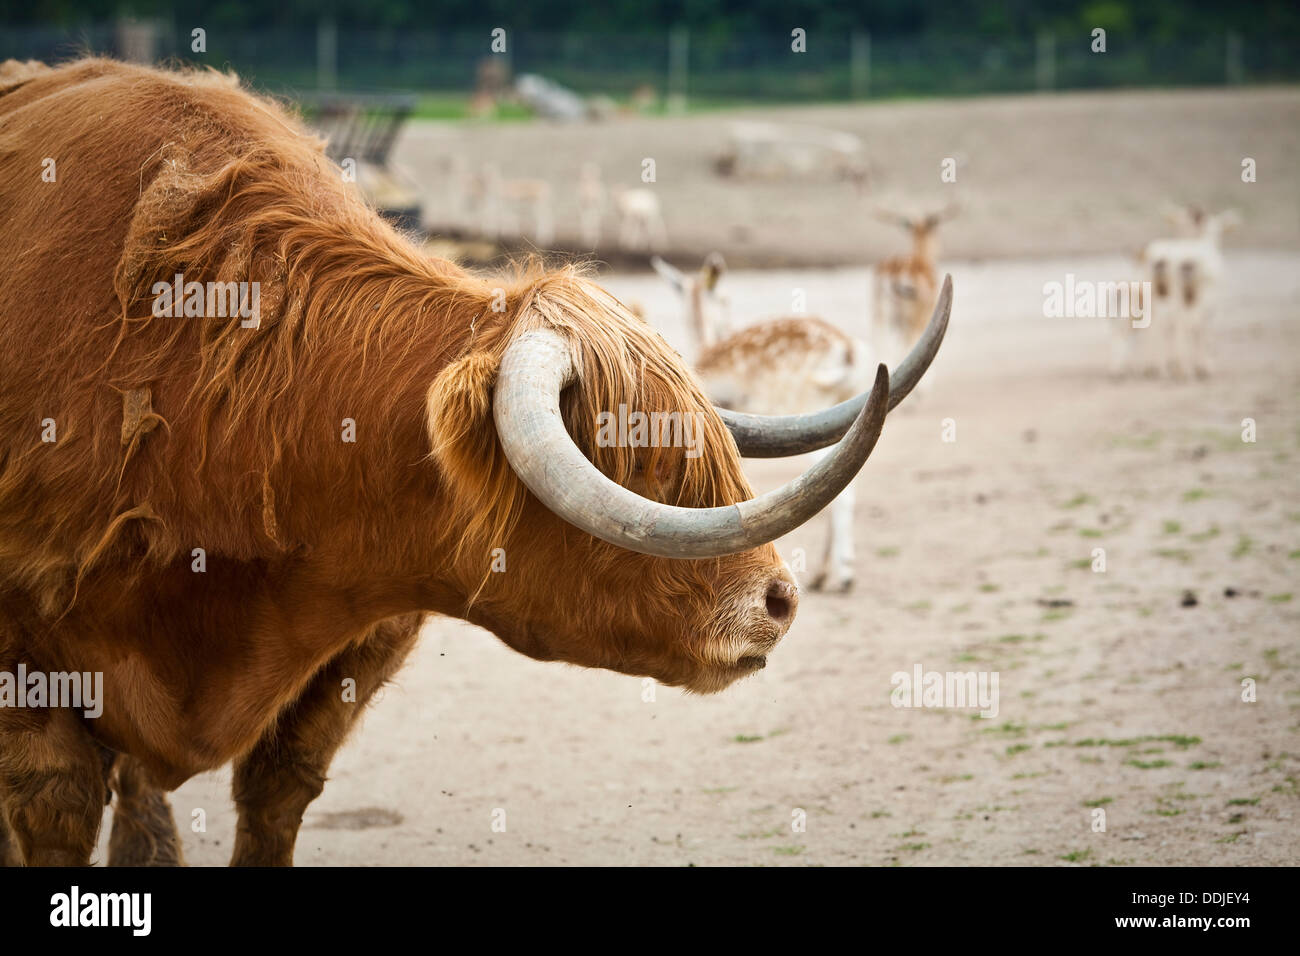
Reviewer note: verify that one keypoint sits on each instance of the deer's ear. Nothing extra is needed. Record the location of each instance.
(669, 273)
(714, 269)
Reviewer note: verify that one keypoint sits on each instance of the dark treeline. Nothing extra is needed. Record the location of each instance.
(1155, 19)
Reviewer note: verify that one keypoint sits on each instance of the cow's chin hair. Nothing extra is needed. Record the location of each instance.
(738, 650)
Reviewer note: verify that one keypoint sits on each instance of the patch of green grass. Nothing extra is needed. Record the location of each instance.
(1057, 614)
(1195, 494)
(915, 847)
(1137, 441)
(1204, 765)
(1090, 532)
(747, 738)
(1179, 740)
(877, 814)
(1077, 856)
(1007, 728)
(1018, 749)
(1244, 802)
(887, 552)
(455, 106)
(899, 738)
(1172, 527)
(1280, 598)
(1099, 802)
(787, 850)
(990, 588)
(1233, 838)
(1012, 639)
(1082, 564)
(917, 606)
(1243, 547)
(1149, 764)
(1078, 501)
(1174, 554)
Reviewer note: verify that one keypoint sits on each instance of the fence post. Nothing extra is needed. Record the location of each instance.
(1045, 67)
(327, 53)
(1232, 69)
(679, 55)
(859, 65)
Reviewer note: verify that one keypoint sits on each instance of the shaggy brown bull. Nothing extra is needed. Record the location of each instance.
(348, 461)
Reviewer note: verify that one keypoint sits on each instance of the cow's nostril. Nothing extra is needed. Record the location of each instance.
(780, 600)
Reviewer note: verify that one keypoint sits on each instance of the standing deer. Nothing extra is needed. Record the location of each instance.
(591, 204)
(501, 200)
(905, 286)
(640, 219)
(785, 366)
(1184, 274)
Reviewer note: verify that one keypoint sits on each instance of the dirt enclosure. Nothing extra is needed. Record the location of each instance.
(1120, 690)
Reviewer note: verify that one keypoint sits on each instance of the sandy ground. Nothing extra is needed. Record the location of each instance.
(1123, 699)
(1037, 175)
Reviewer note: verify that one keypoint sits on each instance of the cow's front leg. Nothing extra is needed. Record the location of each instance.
(52, 786)
(144, 829)
(9, 855)
(285, 772)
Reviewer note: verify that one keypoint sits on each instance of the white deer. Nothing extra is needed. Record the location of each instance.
(1184, 275)
(640, 219)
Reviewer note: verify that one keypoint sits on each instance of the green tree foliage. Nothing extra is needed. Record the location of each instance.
(1156, 18)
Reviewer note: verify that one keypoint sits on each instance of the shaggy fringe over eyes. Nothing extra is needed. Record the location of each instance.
(620, 361)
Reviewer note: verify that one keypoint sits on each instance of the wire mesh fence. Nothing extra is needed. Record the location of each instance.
(836, 66)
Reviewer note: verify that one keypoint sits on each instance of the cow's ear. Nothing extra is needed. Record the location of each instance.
(461, 431)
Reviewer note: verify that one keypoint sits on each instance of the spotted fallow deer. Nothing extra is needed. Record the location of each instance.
(904, 287)
(780, 366)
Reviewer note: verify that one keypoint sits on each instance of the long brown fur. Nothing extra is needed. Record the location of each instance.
(177, 434)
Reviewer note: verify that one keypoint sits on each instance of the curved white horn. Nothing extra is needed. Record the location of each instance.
(526, 407)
